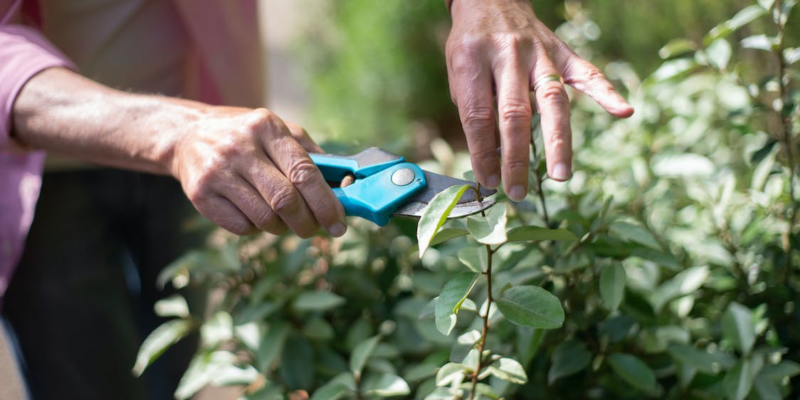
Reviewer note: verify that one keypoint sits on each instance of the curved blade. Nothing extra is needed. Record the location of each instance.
(467, 205)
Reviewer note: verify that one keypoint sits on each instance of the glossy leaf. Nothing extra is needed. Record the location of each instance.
(436, 213)
(490, 229)
(450, 300)
(739, 380)
(317, 301)
(159, 341)
(633, 233)
(612, 285)
(719, 51)
(676, 47)
(173, 306)
(738, 327)
(568, 358)
(474, 257)
(634, 371)
(535, 233)
(509, 370)
(385, 385)
(271, 345)
(531, 306)
(361, 354)
(449, 373)
(684, 283)
(742, 18)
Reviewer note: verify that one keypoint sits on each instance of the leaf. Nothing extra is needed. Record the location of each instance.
(361, 354)
(296, 358)
(634, 371)
(450, 300)
(436, 213)
(682, 165)
(337, 388)
(739, 380)
(446, 234)
(777, 372)
(203, 368)
(719, 51)
(385, 385)
(475, 258)
(173, 306)
(673, 68)
(490, 229)
(317, 301)
(612, 285)
(676, 47)
(792, 55)
(701, 360)
(217, 330)
(766, 4)
(256, 312)
(232, 375)
(159, 341)
(534, 233)
(531, 306)
(742, 18)
(633, 233)
(759, 42)
(509, 370)
(271, 345)
(684, 283)
(449, 373)
(568, 358)
(738, 327)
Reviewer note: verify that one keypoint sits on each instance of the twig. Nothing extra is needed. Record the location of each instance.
(537, 180)
(485, 332)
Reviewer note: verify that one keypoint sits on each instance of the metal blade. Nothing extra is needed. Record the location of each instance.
(467, 205)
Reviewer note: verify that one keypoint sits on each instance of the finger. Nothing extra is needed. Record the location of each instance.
(471, 87)
(225, 214)
(514, 118)
(251, 203)
(553, 105)
(587, 78)
(302, 187)
(302, 137)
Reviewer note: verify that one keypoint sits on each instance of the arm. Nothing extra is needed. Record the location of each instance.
(500, 45)
(241, 168)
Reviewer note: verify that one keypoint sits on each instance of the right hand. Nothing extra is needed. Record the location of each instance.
(247, 169)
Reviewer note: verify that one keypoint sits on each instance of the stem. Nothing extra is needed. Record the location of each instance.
(537, 180)
(786, 124)
(485, 332)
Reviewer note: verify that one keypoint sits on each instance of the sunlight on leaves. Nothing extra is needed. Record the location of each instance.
(436, 213)
(491, 229)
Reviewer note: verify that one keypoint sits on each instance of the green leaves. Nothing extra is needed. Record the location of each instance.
(509, 370)
(742, 18)
(385, 385)
(634, 371)
(701, 360)
(534, 233)
(361, 353)
(568, 358)
(491, 229)
(633, 233)
(738, 327)
(159, 341)
(317, 301)
(531, 306)
(475, 258)
(739, 380)
(450, 300)
(436, 213)
(612, 285)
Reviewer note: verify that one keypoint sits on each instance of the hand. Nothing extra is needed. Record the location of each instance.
(246, 169)
(500, 45)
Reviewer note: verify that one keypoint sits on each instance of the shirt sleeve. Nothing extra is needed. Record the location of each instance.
(24, 52)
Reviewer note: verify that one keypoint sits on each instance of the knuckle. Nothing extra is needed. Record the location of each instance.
(553, 95)
(559, 142)
(515, 41)
(285, 200)
(302, 172)
(516, 164)
(593, 75)
(260, 120)
(515, 112)
(478, 118)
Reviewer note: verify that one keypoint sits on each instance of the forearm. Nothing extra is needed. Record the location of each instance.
(63, 112)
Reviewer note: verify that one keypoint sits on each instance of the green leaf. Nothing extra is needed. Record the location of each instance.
(568, 358)
(173, 306)
(490, 229)
(738, 327)
(217, 330)
(684, 283)
(719, 51)
(446, 234)
(766, 4)
(739, 380)
(449, 373)
(700, 360)
(317, 301)
(475, 258)
(296, 357)
(436, 213)
(337, 388)
(201, 371)
(676, 47)
(361, 354)
(159, 341)
(450, 300)
(759, 42)
(534, 233)
(633, 233)
(791, 55)
(531, 306)
(634, 371)
(509, 370)
(271, 345)
(612, 285)
(742, 18)
(256, 312)
(385, 385)
(767, 389)
(777, 372)
(673, 68)
(232, 375)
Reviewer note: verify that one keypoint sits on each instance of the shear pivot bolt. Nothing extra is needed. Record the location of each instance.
(402, 177)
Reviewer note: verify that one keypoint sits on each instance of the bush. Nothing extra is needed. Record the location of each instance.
(666, 268)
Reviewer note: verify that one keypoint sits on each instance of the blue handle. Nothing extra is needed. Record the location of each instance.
(373, 196)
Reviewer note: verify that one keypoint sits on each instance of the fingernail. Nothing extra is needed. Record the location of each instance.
(338, 229)
(560, 172)
(517, 193)
(493, 181)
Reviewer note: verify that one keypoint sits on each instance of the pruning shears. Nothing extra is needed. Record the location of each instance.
(385, 185)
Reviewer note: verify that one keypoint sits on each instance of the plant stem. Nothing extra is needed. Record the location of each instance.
(537, 180)
(786, 124)
(485, 332)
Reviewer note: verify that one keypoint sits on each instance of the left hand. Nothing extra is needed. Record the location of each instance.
(500, 46)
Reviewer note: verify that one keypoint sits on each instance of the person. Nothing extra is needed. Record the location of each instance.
(240, 166)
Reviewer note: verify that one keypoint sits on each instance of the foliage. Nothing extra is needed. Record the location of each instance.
(680, 281)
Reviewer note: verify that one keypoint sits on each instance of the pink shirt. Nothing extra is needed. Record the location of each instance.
(224, 40)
